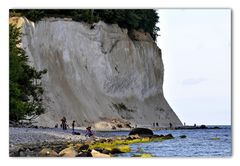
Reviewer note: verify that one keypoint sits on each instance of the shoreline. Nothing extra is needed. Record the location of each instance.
(21, 135)
(29, 142)
(32, 142)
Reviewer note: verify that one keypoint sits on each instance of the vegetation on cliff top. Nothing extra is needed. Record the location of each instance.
(145, 19)
(25, 91)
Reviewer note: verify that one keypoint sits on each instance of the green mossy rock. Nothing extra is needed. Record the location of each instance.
(124, 148)
(146, 155)
(142, 155)
(216, 138)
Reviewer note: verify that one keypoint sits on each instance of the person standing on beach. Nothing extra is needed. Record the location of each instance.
(64, 123)
(88, 132)
(73, 125)
(170, 124)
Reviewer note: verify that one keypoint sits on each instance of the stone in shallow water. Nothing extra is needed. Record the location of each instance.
(106, 151)
(168, 136)
(142, 155)
(215, 138)
(183, 136)
(141, 132)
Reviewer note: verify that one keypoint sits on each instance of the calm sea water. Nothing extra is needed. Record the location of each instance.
(199, 143)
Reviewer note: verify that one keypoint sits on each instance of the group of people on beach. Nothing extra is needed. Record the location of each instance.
(64, 126)
(156, 124)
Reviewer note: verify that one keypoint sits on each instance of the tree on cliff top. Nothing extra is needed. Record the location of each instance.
(145, 19)
(25, 91)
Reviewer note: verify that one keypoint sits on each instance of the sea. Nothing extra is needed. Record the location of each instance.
(198, 143)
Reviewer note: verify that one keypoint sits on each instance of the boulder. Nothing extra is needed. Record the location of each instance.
(119, 125)
(85, 154)
(131, 137)
(114, 151)
(99, 149)
(105, 151)
(84, 147)
(46, 152)
(141, 132)
(29, 153)
(168, 136)
(203, 127)
(156, 136)
(68, 152)
(77, 146)
(22, 154)
(183, 136)
(98, 154)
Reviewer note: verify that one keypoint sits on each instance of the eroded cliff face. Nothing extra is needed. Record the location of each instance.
(97, 73)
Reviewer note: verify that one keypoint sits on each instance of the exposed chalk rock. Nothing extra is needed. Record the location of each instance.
(97, 74)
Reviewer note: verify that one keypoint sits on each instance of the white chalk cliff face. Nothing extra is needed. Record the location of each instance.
(97, 73)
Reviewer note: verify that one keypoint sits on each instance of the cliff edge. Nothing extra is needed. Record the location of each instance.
(97, 73)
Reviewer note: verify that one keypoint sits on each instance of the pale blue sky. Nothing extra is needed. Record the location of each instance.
(196, 51)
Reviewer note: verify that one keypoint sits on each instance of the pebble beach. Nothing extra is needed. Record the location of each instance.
(33, 136)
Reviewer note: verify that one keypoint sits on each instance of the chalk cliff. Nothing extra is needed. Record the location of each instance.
(96, 73)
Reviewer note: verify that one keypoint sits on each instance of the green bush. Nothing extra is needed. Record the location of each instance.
(145, 19)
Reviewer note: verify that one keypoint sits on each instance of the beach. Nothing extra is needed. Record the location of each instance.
(39, 142)
(32, 135)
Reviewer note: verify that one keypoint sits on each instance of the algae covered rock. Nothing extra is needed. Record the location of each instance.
(168, 136)
(124, 148)
(120, 149)
(146, 155)
(215, 138)
(142, 155)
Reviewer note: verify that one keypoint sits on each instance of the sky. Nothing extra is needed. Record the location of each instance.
(196, 52)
